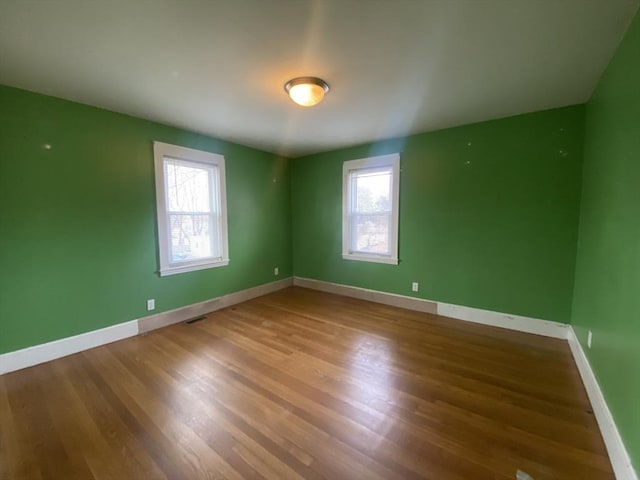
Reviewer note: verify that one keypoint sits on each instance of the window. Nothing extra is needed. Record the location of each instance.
(370, 209)
(192, 209)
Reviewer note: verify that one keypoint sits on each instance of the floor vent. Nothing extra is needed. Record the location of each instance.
(194, 320)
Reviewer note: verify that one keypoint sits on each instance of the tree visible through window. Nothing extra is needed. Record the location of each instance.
(370, 209)
(191, 209)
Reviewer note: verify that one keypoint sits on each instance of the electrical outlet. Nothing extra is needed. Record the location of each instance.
(414, 287)
(276, 271)
(589, 337)
(151, 304)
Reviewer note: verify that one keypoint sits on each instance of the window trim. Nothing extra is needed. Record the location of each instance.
(393, 161)
(166, 267)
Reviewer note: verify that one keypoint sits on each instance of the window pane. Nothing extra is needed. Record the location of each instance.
(370, 233)
(191, 237)
(373, 191)
(188, 188)
(370, 209)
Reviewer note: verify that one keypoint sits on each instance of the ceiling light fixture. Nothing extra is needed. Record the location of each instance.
(306, 91)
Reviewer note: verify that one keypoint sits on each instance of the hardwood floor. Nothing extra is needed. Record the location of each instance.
(302, 384)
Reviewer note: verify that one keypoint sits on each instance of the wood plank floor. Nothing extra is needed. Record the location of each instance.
(302, 384)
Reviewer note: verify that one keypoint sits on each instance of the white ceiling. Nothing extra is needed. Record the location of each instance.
(395, 66)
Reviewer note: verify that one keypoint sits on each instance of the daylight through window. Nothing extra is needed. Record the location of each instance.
(370, 209)
(192, 220)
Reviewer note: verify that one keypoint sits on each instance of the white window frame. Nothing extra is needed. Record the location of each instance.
(384, 161)
(188, 155)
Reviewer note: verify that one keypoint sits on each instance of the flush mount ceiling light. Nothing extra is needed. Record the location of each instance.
(306, 91)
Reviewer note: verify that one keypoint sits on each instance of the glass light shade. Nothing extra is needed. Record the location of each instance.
(306, 91)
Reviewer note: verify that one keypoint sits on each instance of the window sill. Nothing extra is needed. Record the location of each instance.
(370, 258)
(192, 267)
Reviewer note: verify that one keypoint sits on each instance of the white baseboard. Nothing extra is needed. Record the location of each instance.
(536, 326)
(469, 314)
(615, 447)
(620, 460)
(182, 314)
(28, 357)
(45, 352)
(376, 296)
(618, 455)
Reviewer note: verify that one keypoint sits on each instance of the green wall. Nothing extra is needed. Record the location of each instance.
(488, 215)
(607, 291)
(78, 244)
(488, 219)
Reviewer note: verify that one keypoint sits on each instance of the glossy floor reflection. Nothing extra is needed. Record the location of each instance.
(302, 384)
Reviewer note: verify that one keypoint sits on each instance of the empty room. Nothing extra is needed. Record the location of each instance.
(320, 239)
